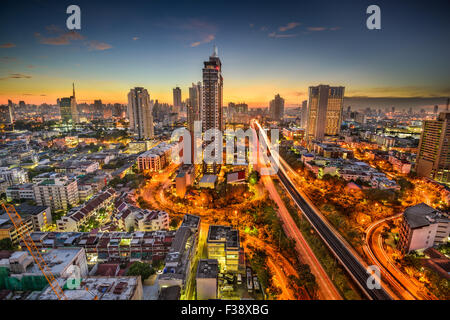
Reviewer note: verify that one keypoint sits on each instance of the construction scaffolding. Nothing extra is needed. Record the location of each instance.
(34, 252)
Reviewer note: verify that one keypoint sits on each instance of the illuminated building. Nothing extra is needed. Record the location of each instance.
(223, 244)
(324, 111)
(177, 100)
(206, 279)
(423, 227)
(7, 113)
(433, 157)
(68, 108)
(59, 193)
(212, 101)
(140, 112)
(276, 108)
(304, 114)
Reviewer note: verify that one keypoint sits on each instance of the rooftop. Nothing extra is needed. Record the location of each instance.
(422, 215)
(104, 288)
(207, 268)
(224, 234)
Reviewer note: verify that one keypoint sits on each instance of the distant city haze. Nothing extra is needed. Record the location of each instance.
(151, 45)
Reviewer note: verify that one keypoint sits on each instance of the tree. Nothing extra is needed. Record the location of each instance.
(140, 269)
(6, 244)
(405, 185)
(253, 177)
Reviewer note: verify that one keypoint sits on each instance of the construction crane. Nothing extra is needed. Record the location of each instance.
(33, 250)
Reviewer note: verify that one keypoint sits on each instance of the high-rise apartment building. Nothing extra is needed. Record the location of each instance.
(6, 113)
(194, 105)
(177, 105)
(140, 112)
(276, 108)
(304, 114)
(324, 111)
(212, 101)
(433, 157)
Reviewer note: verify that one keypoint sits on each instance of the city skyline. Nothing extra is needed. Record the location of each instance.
(301, 46)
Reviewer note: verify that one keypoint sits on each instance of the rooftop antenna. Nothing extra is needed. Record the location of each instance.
(73, 88)
(448, 101)
(215, 53)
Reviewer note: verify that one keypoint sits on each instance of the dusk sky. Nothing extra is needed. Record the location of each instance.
(265, 47)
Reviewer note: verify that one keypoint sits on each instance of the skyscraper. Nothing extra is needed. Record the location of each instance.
(433, 157)
(98, 108)
(68, 108)
(73, 107)
(140, 112)
(324, 111)
(276, 108)
(304, 114)
(212, 100)
(7, 113)
(194, 105)
(177, 100)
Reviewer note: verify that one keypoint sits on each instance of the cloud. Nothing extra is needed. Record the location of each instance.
(251, 25)
(8, 59)
(135, 38)
(197, 25)
(207, 39)
(98, 46)
(16, 76)
(289, 26)
(31, 66)
(281, 35)
(298, 93)
(54, 29)
(61, 39)
(317, 28)
(7, 45)
(263, 28)
(335, 28)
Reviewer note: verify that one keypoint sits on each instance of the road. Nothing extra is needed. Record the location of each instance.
(327, 290)
(280, 265)
(401, 283)
(338, 246)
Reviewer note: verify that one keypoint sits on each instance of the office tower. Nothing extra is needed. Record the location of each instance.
(73, 107)
(65, 109)
(304, 114)
(276, 108)
(98, 107)
(212, 101)
(433, 157)
(324, 111)
(140, 112)
(436, 108)
(177, 100)
(68, 108)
